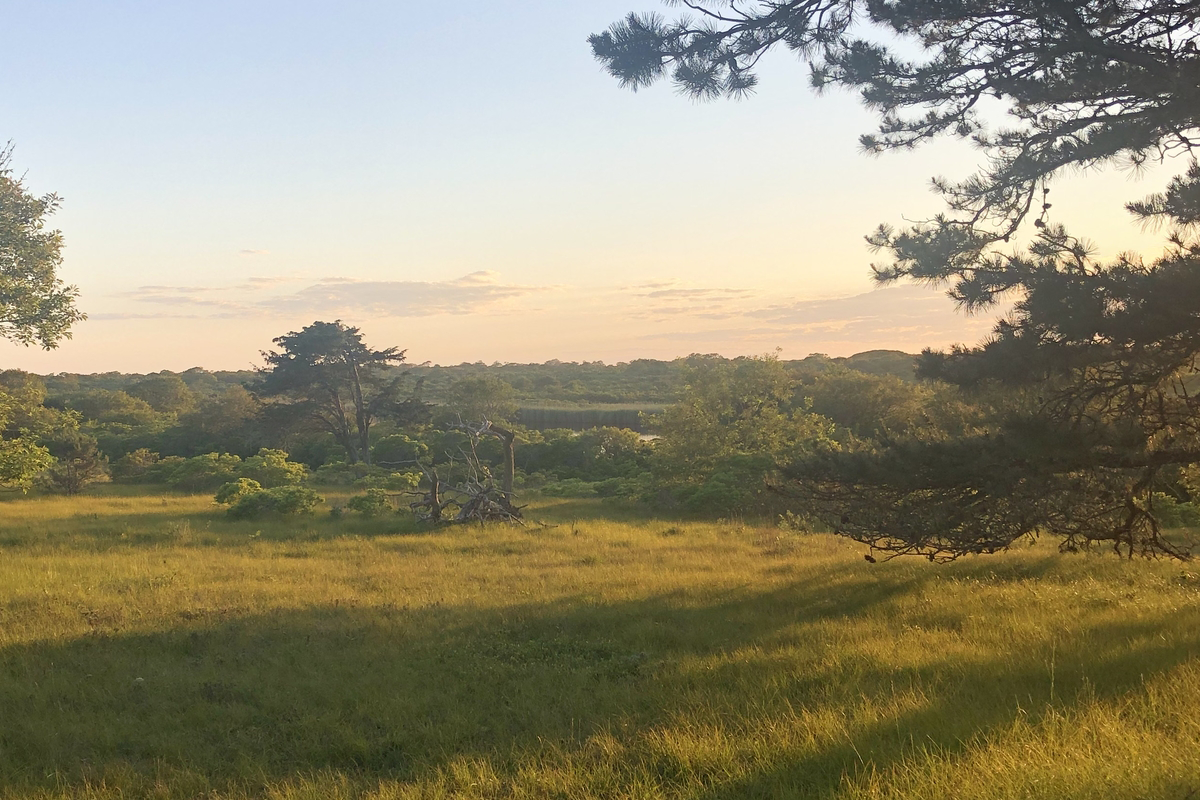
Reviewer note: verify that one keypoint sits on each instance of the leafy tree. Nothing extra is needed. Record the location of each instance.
(24, 407)
(327, 375)
(1098, 359)
(21, 461)
(35, 306)
(113, 408)
(78, 463)
(165, 393)
(226, 421)
(25, 424)
(737, 424)
(482, 397)
(135, 466)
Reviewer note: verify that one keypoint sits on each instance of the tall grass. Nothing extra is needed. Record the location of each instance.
(151, 648)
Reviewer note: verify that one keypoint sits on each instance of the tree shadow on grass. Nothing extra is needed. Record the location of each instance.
(394, 693)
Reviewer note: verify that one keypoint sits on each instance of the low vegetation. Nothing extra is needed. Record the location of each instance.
(152, 647)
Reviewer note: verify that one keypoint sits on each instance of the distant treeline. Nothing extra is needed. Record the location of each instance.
(540, 388)
(588, 417)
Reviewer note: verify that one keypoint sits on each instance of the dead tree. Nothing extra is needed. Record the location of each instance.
(476, 496)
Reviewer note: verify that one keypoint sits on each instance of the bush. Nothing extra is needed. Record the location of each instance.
(397, 449)
(232, 492)
(1173, 514)
(280, 500)
(271, 468)
(371, 503)
(205, 472)
(340, 474)
(135, 467)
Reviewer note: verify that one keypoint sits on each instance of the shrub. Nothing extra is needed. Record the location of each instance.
(294, 499)
(1173, 514)
(280, 500)
(397, 449)
(339, 474)
(271, 468)
(205, 472)
(135, 467)
(232, 492)
(371, 503)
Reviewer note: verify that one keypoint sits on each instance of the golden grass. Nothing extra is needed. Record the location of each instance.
(151, 648)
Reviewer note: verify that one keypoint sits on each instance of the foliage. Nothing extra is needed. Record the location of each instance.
(78, 462)
(328, 376)
(35, 306)
(21, 461)
(232, 492)
(114, 408)
(272, 468)
(165, 392)
(398, 449)
(736, 425)
(591, 455)
(371, 503)
(1097, 357)
(24, 425)
(482, 397)
(282, 500)
(205, 472)
(136, 466)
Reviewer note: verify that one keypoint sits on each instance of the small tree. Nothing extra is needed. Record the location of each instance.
(79, 462)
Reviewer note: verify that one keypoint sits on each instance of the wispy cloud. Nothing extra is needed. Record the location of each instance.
(476, 292)
(254, 252)
(472, 293)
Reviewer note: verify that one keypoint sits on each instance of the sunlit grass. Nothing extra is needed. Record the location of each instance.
(150, 647)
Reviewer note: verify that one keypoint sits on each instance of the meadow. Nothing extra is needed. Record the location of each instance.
(149, 647)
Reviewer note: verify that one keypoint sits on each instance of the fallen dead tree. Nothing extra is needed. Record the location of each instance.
(475, 497)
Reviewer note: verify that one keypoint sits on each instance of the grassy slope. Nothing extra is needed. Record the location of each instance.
(604, 657)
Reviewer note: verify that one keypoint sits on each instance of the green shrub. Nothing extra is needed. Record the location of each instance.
(371, 503)
(205, 472)
(398, 449)
(339, 474)
(234, 491)
(1173, 514)
(280, 500)
(136, 467)
(271, 468)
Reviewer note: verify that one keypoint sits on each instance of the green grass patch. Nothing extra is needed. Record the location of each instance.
(149, 647)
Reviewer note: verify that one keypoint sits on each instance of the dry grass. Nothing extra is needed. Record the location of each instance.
(150, 648)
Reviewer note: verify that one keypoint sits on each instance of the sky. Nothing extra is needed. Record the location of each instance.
(464, 182)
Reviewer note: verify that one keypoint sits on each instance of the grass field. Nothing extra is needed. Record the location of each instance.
(150, 648)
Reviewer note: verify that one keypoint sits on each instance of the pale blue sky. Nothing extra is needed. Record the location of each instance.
(465, 183)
